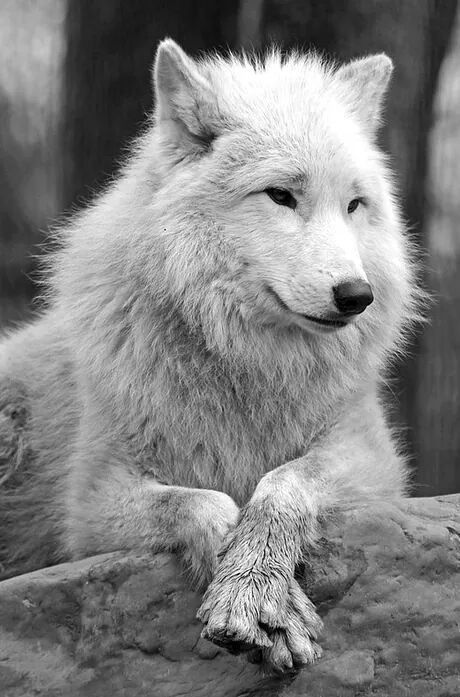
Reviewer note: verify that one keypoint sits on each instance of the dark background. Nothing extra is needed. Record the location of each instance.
(75, 87)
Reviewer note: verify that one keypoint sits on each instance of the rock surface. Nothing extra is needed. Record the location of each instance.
(386, 581)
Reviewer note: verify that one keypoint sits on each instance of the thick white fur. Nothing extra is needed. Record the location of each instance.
(164, 359)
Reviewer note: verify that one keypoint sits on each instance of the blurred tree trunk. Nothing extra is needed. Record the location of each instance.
(17, 232)
(107, 77)
(439, 374)
(415, 33)
(30, 61)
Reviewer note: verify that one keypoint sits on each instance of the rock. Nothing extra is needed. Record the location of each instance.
(351, 668)
(386, 580)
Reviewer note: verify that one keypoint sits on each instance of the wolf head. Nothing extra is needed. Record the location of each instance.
(255, 216)
(275, 199)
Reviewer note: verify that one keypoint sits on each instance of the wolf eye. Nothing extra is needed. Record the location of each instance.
(282, 197)
(353, 205)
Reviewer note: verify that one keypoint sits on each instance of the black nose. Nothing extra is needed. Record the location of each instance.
(352, 297)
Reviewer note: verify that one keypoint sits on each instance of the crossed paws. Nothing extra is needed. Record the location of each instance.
(260, 609)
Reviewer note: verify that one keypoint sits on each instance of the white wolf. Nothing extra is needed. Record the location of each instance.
(218, 328)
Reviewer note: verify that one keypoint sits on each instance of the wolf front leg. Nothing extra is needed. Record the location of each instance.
(254, 601)
(126, 511)
(111, 505)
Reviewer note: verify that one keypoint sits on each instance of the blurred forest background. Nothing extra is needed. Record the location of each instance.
(75, 87)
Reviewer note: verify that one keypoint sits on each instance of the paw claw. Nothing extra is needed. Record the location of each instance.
(309, 654)
(203, 614)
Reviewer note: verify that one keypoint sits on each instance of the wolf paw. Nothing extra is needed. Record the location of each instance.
(293, 645)
(268, 613)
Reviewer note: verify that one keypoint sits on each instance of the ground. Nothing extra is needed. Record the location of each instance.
(386, 584)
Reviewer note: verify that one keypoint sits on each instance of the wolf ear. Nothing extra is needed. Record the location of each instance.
(184, 99)
(366, 81)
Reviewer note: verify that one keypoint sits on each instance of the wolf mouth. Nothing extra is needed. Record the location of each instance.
(318, 320)
(326, 322)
